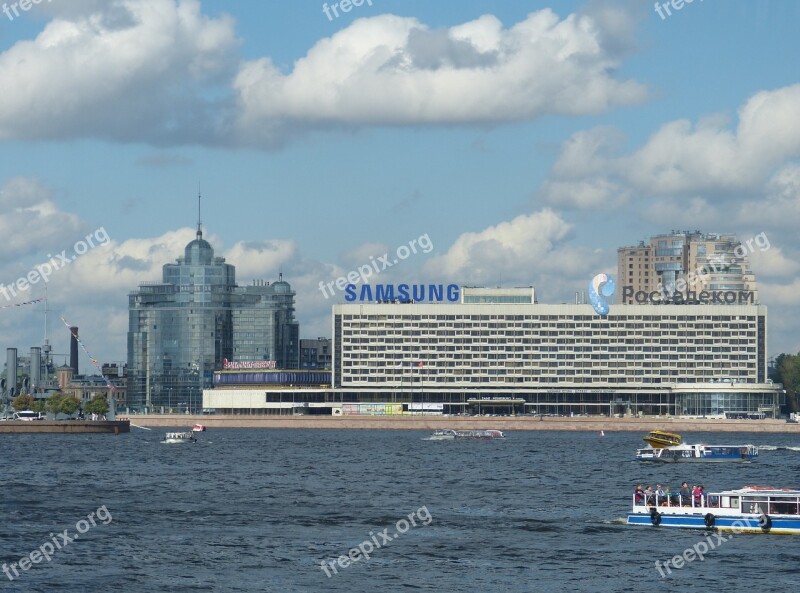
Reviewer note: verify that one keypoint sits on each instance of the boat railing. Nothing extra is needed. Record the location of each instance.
(674, 500)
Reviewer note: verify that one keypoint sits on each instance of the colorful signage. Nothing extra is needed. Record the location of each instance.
(703, 297)
(601, 286)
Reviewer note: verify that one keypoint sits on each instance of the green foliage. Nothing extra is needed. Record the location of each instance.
(39, 406)
(61, 403)
(22, 402)
(98, 405)
(70, 405)
(787, 371)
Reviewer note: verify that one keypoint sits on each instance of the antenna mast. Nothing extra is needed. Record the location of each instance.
(199, 228)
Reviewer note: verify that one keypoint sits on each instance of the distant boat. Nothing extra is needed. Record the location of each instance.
(177, 438)
(462, 435)
(697, 453)
(199, 428)
(659, 439)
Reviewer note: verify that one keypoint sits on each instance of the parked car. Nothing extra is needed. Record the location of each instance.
(29, 415)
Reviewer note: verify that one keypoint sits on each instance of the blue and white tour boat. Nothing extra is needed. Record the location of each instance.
(695, 453)
(751, 509)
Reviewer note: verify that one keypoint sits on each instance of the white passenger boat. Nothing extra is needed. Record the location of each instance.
(696, 453)
(443, 435)
(751, 509)
(177, 438)
(479, 434)
(461, 435)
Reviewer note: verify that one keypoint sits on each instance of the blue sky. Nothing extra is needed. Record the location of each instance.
(528, 140)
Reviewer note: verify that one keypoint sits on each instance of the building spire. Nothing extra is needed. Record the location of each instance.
(199, 227)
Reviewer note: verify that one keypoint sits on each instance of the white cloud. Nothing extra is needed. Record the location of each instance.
(162, 73)
(389, 70)
(129, 70)
(31, 221)
(683, 160)
(517, 251)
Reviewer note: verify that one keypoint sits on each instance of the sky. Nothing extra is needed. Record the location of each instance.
(504, 143)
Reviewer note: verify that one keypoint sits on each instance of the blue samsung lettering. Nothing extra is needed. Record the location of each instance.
(366, 293)
(350, 293)
(384, 292)
(452, 292)
(402, 292)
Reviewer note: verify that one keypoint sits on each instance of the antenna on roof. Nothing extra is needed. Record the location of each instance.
(199, 228)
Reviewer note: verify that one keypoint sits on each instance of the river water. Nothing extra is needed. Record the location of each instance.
(262, 510)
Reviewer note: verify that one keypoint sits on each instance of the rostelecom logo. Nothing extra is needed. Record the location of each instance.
(601, 286)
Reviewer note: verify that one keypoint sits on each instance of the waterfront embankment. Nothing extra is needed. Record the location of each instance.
(509, 423)
(64, 426)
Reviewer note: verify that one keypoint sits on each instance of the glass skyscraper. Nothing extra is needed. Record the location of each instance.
(185, 327)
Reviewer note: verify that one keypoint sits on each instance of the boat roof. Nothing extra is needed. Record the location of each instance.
(684, 446)
(763, 490)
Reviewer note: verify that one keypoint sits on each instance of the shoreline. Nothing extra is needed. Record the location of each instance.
(65, 427)
(528, 423)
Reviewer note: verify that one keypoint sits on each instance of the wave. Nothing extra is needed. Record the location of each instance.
(777, 448)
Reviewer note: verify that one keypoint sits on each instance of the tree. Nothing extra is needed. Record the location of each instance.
(39, 406)
(70, 405)
(22, 402)
(61, 403)
(98, 405)
(787, 371)
(53, 404)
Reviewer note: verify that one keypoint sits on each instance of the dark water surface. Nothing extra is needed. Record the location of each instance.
(259, 510)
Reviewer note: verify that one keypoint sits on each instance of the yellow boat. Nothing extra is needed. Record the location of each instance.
(658, 439)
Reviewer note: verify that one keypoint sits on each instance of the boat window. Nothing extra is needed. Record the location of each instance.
(734, 502)
(782, 505)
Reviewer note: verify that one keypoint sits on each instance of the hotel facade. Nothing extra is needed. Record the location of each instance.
(499, 351)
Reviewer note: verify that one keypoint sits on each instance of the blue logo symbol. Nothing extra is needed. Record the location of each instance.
(601, 286)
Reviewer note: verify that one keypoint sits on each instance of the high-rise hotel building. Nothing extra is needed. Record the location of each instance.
(197, 320)
(684, 264)
(527, 357)
(496, 350)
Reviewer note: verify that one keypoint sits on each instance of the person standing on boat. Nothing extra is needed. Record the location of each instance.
(638, 495)
(697, 494)
(649, 495)
(659, 494)
(686, 495)
(667, 495)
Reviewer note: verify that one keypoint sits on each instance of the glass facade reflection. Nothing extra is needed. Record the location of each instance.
(182, 329)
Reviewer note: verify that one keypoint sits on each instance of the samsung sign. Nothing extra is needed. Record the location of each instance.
(704, 297)
(417, 293)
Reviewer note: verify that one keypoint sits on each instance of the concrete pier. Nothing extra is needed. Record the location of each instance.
(509, 423)
(64, 426)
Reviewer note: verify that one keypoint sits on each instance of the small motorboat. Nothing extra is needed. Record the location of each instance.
(442, 435)
(658, 439)
(178, 438)
(199, 428)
